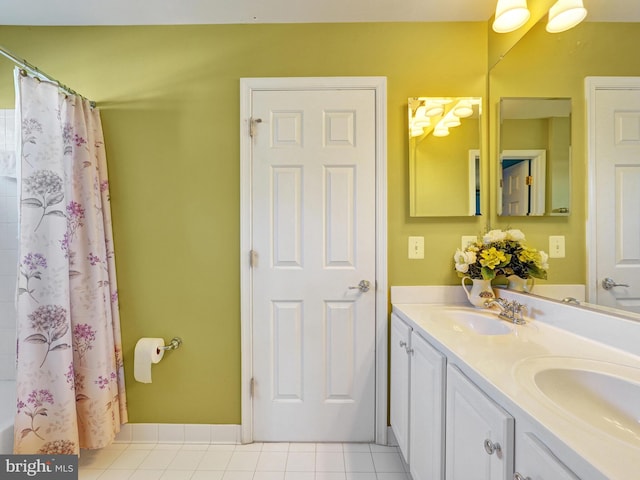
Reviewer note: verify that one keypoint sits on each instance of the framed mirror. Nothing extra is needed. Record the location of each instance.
(534, 157)
(444, 156)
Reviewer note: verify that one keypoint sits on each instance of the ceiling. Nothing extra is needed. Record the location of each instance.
(163, 12)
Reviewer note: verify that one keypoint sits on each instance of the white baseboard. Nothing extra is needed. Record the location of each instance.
(391, 438)
(178, 433)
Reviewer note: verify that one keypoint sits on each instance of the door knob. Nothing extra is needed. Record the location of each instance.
(492, 448)
(609, 283)
(363, 286)
(518, 476)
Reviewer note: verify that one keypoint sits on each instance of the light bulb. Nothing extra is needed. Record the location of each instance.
(565, 14)
(510, 15)
(440, 131)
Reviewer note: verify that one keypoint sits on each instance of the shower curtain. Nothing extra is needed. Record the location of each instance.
(70, 379)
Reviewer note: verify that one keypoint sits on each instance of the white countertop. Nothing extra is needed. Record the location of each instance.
(504, 363)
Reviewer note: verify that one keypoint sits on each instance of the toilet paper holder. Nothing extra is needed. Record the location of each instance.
(174, 344)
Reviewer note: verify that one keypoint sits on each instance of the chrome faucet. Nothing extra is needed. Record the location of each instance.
(570, 300)
(509, 311)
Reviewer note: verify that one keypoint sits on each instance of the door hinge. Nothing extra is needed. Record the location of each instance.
(253, 123)
(501, 183)
(528, 180)
(253, 258)
(252, 386)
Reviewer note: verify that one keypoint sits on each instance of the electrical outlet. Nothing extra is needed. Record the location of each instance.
(416, 247)
(468, 239)
(556, 246)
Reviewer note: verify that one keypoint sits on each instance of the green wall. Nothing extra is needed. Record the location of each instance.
(169, 98)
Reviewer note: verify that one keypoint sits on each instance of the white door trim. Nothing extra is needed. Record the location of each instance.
(247, 86)
(592, 85)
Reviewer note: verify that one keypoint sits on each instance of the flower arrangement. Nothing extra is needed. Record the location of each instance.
(501, 253)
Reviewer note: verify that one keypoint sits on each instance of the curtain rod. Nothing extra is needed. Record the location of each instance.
(40, 74)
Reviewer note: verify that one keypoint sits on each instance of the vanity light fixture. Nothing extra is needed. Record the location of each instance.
(433, 109)
(463, 109)
(436, 115)
(565, 14)
(440, 131)
(451, 121)
(510, 15)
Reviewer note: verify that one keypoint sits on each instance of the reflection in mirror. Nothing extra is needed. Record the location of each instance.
(535, 154)
(444, 156)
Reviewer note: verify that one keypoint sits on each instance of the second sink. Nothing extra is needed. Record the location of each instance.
(604, 395)
(481, 323)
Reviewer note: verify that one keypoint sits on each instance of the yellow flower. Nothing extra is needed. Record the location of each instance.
(491, 258)
(529, 255)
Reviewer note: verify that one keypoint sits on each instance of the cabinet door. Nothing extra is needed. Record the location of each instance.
(426, 411)
(534, 461)
(399, 409)
(476, 426)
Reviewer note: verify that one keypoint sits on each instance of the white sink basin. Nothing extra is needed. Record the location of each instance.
(479, 322)
(605, 396)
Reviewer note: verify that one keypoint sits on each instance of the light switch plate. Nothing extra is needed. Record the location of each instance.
(467, 239)
(556, 246)
(416, 248)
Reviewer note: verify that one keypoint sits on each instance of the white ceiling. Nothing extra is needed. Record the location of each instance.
(162, 12)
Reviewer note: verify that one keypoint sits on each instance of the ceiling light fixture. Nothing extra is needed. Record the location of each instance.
(565, 14)
(510, 15)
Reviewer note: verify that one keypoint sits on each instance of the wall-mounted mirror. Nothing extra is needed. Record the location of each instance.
(444, 143)
(535, 157)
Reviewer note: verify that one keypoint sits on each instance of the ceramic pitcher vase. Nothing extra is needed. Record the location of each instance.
(479, 292)
(518, 284)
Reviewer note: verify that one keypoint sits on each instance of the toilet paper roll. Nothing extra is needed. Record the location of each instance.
(146, 353)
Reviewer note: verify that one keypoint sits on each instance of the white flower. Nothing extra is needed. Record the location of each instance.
(463, 259)
(462, 267)
(515, 235)
(494, 236)
(544, 260)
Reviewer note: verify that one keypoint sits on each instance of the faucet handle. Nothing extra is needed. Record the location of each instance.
(501, 302)
(517, 309)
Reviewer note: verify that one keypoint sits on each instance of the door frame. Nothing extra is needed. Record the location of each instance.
(247, 87)
(538, 165)
(592, 85)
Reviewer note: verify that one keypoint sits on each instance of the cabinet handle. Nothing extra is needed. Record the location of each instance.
(517, 476)
(492, 448)
(403, 344)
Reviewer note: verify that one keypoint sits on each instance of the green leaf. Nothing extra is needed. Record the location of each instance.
(488, 273)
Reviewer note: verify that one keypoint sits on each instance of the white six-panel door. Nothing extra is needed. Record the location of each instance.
(313, 237)
(615, 151)
(515, 192)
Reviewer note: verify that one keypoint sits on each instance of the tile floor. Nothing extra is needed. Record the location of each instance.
(257, 461)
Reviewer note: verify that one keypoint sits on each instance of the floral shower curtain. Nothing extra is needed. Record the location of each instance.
(70, 379)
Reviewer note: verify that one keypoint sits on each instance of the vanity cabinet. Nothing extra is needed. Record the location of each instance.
(400, 377)
(534, 460)
(417, 401)
(479, 433)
